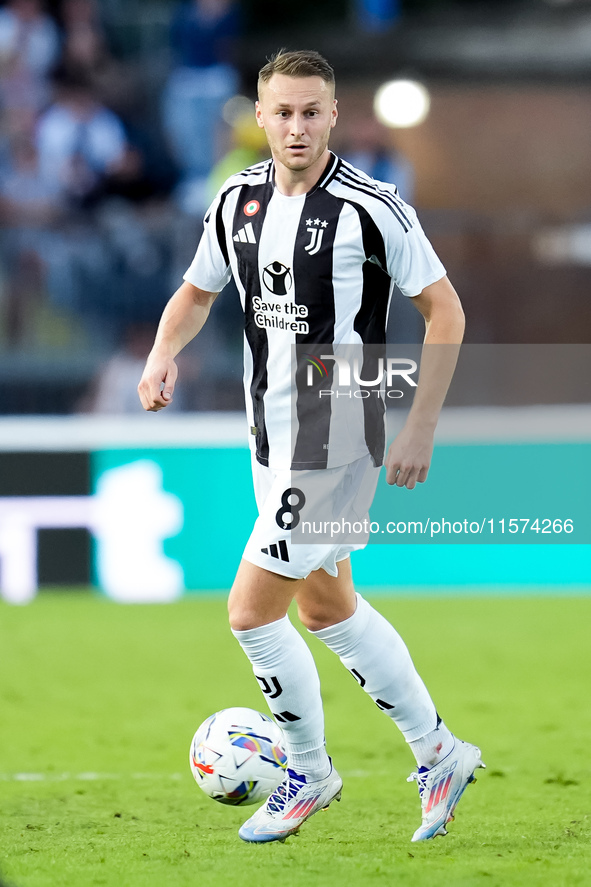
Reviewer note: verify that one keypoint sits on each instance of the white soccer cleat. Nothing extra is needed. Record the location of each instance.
(442, 786)
(294, 801)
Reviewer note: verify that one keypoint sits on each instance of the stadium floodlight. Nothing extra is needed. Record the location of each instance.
(401, 103)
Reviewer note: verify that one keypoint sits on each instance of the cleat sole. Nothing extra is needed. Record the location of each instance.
(336, 798)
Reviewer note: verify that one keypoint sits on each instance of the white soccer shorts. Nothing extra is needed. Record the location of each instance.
(305, 500)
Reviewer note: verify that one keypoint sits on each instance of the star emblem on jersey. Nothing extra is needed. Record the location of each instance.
(316, 229)
(277, 278)
(246, 234)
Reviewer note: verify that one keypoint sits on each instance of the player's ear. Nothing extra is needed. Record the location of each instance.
(334, 113)
(259, 114)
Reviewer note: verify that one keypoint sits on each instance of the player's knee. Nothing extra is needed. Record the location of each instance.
(241, 622)
(315, 618)
(244, 616)
(239, 617)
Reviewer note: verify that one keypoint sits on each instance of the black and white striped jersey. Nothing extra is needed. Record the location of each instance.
(313, 270)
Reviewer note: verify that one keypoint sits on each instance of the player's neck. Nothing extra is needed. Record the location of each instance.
(293, 182)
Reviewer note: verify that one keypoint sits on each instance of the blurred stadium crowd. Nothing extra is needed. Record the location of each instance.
(100, 184)
(109, 156)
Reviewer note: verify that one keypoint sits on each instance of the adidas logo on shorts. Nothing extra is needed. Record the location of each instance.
(277, 551)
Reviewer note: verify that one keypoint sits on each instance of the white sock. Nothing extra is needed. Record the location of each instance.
(285, 669)
(432, 748)
(377, 657)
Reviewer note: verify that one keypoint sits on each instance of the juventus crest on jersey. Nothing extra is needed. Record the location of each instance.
(315, 270)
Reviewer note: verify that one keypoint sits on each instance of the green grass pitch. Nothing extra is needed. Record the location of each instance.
(98, 704)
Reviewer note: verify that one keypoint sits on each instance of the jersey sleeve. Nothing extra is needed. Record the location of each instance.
(411, 260)
(210, 269)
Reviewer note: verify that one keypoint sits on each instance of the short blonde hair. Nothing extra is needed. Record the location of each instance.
(299, 63)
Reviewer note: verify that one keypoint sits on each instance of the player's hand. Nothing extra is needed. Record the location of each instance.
(157, 383)
(409, 458)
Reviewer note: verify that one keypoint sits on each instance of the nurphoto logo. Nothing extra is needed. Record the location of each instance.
(348, 375)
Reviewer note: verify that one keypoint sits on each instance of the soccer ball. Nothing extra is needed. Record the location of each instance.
(238, 756)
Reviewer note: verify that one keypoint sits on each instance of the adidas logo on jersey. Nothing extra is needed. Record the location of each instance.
(277, 552)
(246, 234)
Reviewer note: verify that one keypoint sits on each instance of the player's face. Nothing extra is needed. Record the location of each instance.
(297, 114)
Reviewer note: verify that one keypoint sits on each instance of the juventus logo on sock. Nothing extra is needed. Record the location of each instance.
(359, 678)
(271, 691)
(385, 706)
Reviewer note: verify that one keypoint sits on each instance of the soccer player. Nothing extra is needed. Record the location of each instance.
(314, 246)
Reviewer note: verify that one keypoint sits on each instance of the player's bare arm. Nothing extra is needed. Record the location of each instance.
(183, 317)
(409, 456)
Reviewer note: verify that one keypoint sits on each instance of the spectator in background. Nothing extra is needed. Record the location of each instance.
(85, 47)
(203, 79)
(28, 197)
(114, 388)
(86, 54)
(248, 146)
(87, 58)
(30, 206)
(80, 141)
(369, 147)
(29, 47)
(84, 241)
(80, 144)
